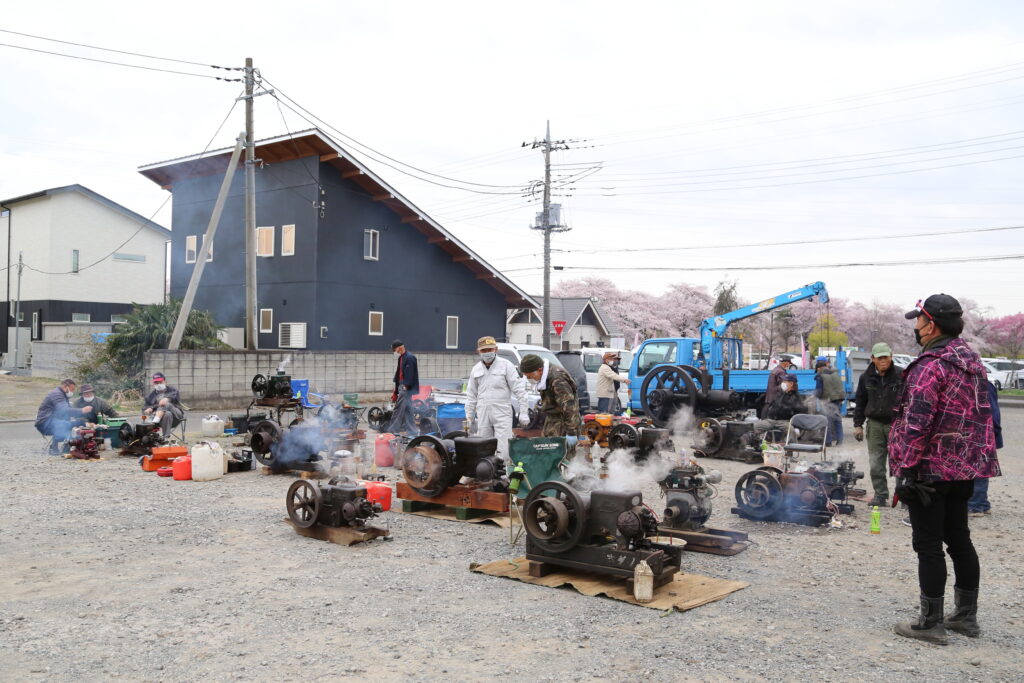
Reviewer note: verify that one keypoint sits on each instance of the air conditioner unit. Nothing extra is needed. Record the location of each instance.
(291, 335)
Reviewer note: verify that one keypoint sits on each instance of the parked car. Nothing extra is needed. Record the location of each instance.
(572, 361)
(902, 360)
(514, 353)
(1008, 374)
(592, 359)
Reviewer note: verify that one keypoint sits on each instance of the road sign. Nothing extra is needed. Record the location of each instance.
(559, 325)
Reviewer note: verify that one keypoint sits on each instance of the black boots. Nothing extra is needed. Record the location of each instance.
(964, 619)
(928, 626)
(881, 501)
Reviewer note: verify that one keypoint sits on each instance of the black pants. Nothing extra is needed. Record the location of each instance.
(944, 520)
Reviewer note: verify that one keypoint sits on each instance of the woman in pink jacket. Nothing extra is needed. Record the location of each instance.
(942, 439)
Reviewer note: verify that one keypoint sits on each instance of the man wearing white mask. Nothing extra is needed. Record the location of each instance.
(493, 383)
(88, 397)
(55, 414)
(786, 404)
(164, 404)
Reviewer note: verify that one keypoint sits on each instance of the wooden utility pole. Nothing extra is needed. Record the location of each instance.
(250, 210)
(545, 225)
(211, 228)
(17, 313)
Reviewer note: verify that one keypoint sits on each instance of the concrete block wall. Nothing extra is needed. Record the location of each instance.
(219, 379)
(51, 359)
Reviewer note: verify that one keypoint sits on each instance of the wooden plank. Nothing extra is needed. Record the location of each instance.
(462, 258)
(383, 197)
(330, 157)
(412, 219)
(341, 535)
(351, 174)
(436, 240)
(458, 496)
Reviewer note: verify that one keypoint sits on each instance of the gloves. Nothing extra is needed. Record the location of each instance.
(858, 433)
(909, 490)
(394, 396)
(524, 419)
(571, 441)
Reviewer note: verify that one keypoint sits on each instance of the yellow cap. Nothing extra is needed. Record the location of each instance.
(486, 343)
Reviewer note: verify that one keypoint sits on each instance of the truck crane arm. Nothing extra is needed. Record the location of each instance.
(716, 326)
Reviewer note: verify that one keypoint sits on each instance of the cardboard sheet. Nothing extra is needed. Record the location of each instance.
(684, 592)
(498, 519)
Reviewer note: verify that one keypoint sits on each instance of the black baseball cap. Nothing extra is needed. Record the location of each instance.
(936, 306)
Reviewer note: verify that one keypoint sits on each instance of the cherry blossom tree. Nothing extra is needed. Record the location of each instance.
(1006, 335)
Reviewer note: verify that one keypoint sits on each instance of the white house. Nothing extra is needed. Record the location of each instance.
(585, 325)
(87, 259)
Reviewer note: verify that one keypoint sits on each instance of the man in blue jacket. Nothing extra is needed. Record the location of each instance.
(407, 383)
(55, 413)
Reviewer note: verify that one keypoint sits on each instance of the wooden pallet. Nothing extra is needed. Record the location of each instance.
(303, 474)
(341, 535)
(713, 541)
(467, 501)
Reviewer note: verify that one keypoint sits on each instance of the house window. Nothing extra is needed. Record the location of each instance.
(74, 260)
(323, 332)
(529, 339)
(266, 320)
(81, 317)
(190, 248)
(265, 241)
(371, 245)
(117, 318)
(451, 332)
(287, 240)
(130, 258)
(376, 323)
(291, 335)
(35, 325)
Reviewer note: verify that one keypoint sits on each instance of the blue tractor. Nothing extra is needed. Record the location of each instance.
(706, 375)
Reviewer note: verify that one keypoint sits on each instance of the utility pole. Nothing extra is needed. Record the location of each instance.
(544, 223)
(17, 314)
(250, 210)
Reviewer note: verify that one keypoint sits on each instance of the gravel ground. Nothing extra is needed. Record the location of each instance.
(107, 572)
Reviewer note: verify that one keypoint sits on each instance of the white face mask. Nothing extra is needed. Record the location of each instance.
(88, 399)
(160, 387)
(488, 356)
(784, 386)
(69, 394)
(397, 354)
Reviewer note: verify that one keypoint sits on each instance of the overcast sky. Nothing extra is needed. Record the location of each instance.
(697, 124)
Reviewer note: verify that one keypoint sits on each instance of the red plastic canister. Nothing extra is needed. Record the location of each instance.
(384, 454)
(378, 492)
(182, 468)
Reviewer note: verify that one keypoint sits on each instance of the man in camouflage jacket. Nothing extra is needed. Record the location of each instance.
(559, 403)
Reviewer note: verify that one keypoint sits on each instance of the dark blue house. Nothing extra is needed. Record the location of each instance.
(344, 261)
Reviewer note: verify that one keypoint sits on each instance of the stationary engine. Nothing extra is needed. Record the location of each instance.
(273, 386)
(340, 502)
(608, 532)
(298, 447)
(645, 439)
(83, 443)
(688, 492)
(810, 496)
(727, 440)
(431, 465)
(140, 439)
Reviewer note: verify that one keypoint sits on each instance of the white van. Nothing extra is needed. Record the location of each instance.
(1005, 373)
(514, 353)
(592, 363)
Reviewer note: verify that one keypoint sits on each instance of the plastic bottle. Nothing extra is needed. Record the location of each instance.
(876, 520)
(643, 582)
(213, 426)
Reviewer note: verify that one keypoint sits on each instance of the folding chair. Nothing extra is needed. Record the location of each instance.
(800, 425)
(178, 428)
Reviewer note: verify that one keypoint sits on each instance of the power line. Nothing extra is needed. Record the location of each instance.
(148, 221)
(121, 52)
(130, 66)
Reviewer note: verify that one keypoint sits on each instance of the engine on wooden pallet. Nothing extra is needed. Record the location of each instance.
(84, 444)
(810, 496)
(340, 502)
(645, 439)
(431, 465)
(607, 532)
(727, 440)
(296, 448)
(140, 439)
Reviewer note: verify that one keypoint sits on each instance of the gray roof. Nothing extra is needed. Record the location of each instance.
(109, 203)
(570, 309)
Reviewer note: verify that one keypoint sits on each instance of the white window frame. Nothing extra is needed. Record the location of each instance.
(374, 245)
(323, 332)
(447, 332)
(129, 258)
(293, 330)
(380, 317)
(76, 261)
(259, 242)
(35, 326)
(191, 245)
(209, 257)
(120, 318)
(287, 235)
(81, 317)
(269, 327)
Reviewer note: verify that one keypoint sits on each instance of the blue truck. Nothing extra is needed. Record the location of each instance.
(706, 374)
